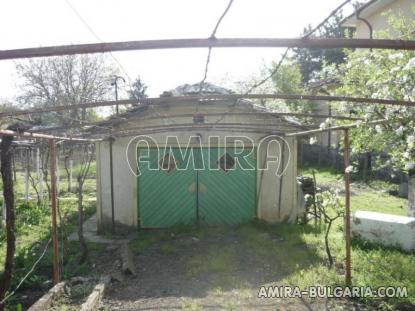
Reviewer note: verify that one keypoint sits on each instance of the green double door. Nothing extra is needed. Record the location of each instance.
(208, 186)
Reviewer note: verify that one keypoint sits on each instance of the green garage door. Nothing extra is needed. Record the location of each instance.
(227, 194)
(222, 190)
(167, 196)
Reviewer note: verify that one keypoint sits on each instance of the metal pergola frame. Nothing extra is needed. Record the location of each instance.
(212, 42)
(309, 43)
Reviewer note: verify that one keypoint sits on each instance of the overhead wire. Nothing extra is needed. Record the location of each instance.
(306, 36)
(210, 48)
(213, 36)
(86, 24)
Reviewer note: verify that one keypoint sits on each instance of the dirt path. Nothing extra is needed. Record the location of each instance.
(215, 269)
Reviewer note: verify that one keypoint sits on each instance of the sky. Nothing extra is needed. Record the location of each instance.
(28, 23)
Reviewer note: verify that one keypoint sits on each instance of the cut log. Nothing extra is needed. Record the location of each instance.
(46, 300)
(95, 297)
(127, 259)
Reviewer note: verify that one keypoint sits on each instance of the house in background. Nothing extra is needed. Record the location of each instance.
(373, 17)
(169, 194)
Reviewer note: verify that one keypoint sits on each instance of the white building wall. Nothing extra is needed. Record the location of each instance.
(277, 195)
(379, 19)
(269, 206)
(125, 186)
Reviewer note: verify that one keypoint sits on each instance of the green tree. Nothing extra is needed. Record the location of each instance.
(311, 61)
(287, 80)
(391, 75)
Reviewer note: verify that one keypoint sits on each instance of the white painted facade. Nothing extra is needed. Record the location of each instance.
(376, 14)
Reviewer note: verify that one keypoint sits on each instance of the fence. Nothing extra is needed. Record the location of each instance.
(368, 165)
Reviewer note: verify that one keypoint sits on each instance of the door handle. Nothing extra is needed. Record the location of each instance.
(202, 188)
(192, 188)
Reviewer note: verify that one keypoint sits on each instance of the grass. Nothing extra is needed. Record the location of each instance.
(376, 201)
(373, 265)
(33, 230)
(372, 196)
(147, 238)
(191, 305)
(168, 249)
(215, 260)
(296, 252)
(324, 176)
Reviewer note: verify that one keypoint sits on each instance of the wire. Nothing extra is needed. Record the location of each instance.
(27, 275)
(97, 37)
(220, 19)
(206, 70)
(121, 66)
(307, 35)
(272, 73)
(212, 36)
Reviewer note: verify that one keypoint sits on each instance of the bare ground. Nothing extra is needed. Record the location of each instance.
(215, 269)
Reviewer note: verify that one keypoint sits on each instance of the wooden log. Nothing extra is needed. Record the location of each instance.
(95, 297)
(46, 300)
(127, 259)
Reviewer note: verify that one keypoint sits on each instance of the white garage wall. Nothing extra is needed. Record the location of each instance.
(269, 205)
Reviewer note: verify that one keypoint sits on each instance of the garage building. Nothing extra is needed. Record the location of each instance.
(185, 161)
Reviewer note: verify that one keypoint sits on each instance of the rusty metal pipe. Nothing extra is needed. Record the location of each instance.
(348, 271)
(53, 198)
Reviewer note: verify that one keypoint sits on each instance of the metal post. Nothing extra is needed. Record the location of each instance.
(26, 177)
(58, 177)
(112, 186)
(116, 97)
(70, 174)
(347, 207)
(329, 131)
(39, 169)
(115, 84)
(52, 146)
(37, 163)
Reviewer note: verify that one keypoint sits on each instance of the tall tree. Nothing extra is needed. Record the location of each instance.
(311, 61)
(287, 80)
(67, 80)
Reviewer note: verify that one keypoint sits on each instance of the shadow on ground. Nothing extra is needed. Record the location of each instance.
(212, 268)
